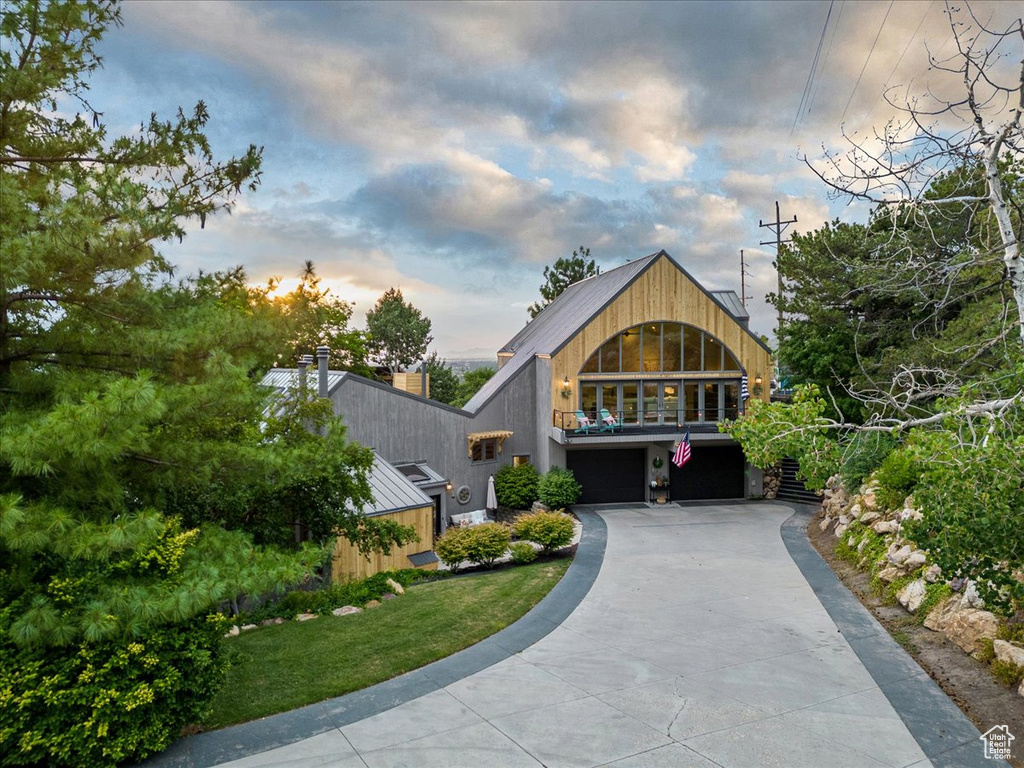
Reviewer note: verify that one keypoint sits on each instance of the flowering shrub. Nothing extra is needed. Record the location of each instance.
(101, 704)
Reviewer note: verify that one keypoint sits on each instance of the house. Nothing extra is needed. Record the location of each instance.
(643, 341)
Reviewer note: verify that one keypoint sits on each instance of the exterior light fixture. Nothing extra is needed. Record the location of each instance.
(757, 388)
(450, 488)
(566, 388)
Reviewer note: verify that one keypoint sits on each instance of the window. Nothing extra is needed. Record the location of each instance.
(485, 450)
(661, 348)
(520, 459)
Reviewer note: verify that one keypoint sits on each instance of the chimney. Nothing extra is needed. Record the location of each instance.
(423, 380)
(323, 354)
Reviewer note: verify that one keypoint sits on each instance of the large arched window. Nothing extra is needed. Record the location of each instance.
(662, 348)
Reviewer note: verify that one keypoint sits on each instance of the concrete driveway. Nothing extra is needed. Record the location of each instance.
(702, 642)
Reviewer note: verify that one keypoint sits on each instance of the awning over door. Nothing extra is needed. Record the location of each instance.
(475, 437)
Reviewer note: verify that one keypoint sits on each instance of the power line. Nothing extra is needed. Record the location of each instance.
(810, 75)
(877, 35)
(828, 54)
(900, 61)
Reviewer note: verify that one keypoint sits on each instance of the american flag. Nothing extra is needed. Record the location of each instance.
(744, 392)
(682, 454)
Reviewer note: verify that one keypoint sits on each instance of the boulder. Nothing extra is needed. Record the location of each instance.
(346, 610)
(889, 573)
(915, 561)
(395, 587)
(909, 513)
(1020, 691)
(885, 526)
(388, 596)
(825, 523)
(870, 517)
(305, 616)
(247, 627)
(867, 498)
(373, 604)
(540, 507)
(964, 626)
(840, 530)
(855, 511)
(912, 595)
(900, 555)
(1008, 652)
(971, 598)
(271, 622)
(932, 574)
(233, 631)
(861, 547)
(845, 520)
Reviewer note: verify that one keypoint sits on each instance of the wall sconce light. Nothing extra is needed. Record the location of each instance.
(757, 378)
(757, 389)
(450, 488)
(566, 388)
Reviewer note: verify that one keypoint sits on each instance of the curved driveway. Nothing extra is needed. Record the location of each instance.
(702, 642)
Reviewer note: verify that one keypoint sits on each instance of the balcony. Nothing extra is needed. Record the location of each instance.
(639, 427)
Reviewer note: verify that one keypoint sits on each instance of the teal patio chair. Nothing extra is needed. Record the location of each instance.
(609, 422)
(584, 422)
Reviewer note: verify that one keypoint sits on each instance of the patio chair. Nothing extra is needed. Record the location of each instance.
(609, 422)
(585, 422)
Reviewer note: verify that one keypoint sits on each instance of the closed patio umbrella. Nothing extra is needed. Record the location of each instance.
(492, 498)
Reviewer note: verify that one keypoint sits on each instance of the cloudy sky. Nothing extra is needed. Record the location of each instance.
(453, 150)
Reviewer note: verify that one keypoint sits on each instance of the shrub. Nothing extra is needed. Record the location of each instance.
(864, 454)
(1007, 672)
(559, 489)
(452, 547)
(552, 530)
(487, 542)
(517, 487)
(897, 477)
(523, 553)
(100, 704)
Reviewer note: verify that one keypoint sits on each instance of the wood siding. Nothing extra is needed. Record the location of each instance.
(404, 428)
(662, 293)
(348, 564)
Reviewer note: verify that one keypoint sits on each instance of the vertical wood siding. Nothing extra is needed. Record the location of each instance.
(348, 564)
(662, 293)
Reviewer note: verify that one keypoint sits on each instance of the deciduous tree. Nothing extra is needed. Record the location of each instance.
(399, 333)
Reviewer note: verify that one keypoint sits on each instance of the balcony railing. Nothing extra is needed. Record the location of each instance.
(668, 420)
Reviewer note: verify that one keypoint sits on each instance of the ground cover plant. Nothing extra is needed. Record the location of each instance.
(282, 667)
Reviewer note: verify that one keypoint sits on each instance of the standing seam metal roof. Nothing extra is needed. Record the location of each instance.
(392, 491)
(558, 321)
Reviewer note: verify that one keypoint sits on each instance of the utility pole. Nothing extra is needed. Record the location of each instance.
(778, 227)
(743, 281)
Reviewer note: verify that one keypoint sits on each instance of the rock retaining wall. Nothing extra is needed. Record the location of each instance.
(874, 534)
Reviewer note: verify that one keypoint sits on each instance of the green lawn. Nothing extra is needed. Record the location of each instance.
(282, 667)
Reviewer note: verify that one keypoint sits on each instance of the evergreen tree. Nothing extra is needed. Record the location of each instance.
(120, 387)
(444, 382)
(561, 275)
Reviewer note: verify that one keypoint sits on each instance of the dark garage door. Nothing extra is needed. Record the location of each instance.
(610, 476)
(713, 472)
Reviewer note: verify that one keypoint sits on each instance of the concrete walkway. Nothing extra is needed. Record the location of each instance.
(702, 642)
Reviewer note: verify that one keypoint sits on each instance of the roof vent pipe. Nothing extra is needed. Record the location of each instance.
(301, 366)
(323, 354)
(423, 379)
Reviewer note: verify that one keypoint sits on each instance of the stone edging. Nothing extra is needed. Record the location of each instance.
(238, 741)
(942, 731)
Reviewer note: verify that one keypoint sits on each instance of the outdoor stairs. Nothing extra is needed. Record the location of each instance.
(792, 489)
